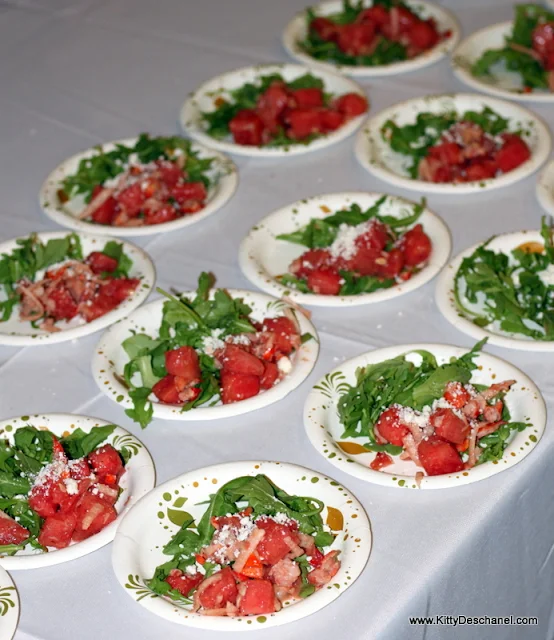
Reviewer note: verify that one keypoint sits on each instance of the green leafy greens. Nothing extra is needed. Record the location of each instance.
(320, 233)
(265, 498)
(415, 139)
(385, 52)
(509, 289)
(400, 381)
(32, 256)
(105, 165)
(512, 57)
(246, 97)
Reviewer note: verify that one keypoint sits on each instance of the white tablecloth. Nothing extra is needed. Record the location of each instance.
(78, 72)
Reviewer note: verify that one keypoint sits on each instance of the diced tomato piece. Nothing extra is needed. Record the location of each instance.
(63, 500)
(236, 387)
(270, 376)
(57, 530)
(105, 212)
(93, 515)
(253, 567)
(271, 105)
(513, 153)
(285, 333)
(356, 39)
(390, 264)
(170, 172)
(183, 362)
(307, 98)
(99, 262)
(363, 261)
(166, 391)
(331, 120)
(376, 237)
(119, 289)
(406, 19)
(11, 532)
(184, 583)
(189, 191)
(481, 169)
(351, 104)
(415, 246)
(377, 14)
(273, 546)
(438, 457)
(106, 461)
(449, 426)
(422, 35)
(237, 360)
(63, 305)
(40, 500)
(167, 213)
(325, 282)
(548, 63)
(247, 128)
(316, 557)
(303, 123)
(326, 29)
(456, 394)
(258, 598)
(309, 260)
(543, 38)
(131, 199)
(389, 426)
(380, 461)
(448, 153)
(214, 592)
(57, 449)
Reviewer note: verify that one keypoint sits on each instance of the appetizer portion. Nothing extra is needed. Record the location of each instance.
(511, 291)
(382, 34)
(53, 283)
(273, 112)
(57, 491)
(208, 348)
(154, 180)
(528, 50)
(434, 415)
(457, 147)
(352, 251)
(255, 550)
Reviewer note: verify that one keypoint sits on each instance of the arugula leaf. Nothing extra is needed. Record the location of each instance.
(37, 444)
(11, 485)
(184, 542)
(124, 263)
(142, 411)
(79, 443)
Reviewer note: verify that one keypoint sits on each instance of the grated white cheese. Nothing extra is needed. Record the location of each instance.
(284, 365)
(344, 244)
(240, 338)
(213, 342)
(71, 486)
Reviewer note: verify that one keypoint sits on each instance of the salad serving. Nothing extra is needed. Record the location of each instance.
(208, 348)
(453, 147)
(53, 283)
(528, 50)
(150, 181)
(255, 549)
(55, 491)
(434, 415)
(388, 31)
(273, 112)
(511, 291)
(353, 251)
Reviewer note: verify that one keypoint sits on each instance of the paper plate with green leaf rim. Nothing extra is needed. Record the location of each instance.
(137, 549)
(9, 606)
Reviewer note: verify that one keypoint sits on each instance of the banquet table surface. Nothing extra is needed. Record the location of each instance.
(75, 73)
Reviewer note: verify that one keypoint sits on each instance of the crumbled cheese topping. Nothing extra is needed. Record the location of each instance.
(240, 338)
(344, 244)
(213, 342)
(284, 365)
(72, 486)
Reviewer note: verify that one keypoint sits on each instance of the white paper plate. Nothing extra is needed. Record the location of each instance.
(447, 306)
(14, 332)
(9, 606)
(138, 479)
(262, 256)
(375, 155)
(545, 188)
(223, 174)
(110, 358)
(296, 31)
(148, 527)
(203, 98)
(502, 83)
(325, 431)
